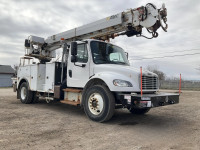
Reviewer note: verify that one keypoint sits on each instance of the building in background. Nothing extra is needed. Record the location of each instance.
(6, 73)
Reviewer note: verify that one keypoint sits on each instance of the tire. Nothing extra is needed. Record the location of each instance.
(35, 98)
(99, 103)
(139, 111)
(26, 96)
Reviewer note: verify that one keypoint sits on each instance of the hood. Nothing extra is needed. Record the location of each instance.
(121, 69)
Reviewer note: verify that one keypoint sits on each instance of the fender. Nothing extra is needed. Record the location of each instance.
(108, 78)
(19, 84)
(21, 81)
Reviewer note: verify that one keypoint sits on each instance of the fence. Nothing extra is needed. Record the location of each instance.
(174, 84)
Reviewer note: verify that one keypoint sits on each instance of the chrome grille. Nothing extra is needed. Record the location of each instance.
(149, 82)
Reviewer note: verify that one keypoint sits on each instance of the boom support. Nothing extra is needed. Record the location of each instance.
(128, 23)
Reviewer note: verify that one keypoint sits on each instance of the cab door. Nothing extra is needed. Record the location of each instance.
(78, 73)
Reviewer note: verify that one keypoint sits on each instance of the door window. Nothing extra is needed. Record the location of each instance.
(82, 54)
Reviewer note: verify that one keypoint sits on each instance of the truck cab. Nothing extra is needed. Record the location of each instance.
(96, 59)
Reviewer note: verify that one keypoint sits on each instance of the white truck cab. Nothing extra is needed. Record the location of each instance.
(107, 62)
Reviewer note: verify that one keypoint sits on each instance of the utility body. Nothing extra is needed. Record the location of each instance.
(94, 73)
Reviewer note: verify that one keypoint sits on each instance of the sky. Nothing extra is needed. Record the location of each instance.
(21, 18)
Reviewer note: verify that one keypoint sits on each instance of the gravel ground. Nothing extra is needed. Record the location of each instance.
(59, 126)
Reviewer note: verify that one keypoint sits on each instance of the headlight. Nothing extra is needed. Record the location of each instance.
(118, 82)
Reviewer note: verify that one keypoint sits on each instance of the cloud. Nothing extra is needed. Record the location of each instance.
(22, 18)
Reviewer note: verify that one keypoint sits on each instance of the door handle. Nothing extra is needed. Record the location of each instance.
(82, 65)
(70, 73)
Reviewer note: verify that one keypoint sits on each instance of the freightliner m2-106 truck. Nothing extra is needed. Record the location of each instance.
(94, 73)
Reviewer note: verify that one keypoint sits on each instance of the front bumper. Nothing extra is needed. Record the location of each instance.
(148, 100)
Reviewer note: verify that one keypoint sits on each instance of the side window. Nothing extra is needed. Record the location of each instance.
(82, 53)
(116, 57)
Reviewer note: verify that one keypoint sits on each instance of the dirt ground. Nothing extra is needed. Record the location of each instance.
(59, 126)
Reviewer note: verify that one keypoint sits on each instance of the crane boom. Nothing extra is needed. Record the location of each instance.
(128, 23)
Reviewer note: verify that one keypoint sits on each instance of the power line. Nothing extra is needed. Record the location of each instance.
(144, 48)
(167, 56)
(170, 52)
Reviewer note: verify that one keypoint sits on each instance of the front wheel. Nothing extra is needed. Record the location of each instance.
(99, 103)
(139, 111)
(26, 96)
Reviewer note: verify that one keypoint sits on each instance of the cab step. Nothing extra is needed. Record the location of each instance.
(75, 103)
(72, 90)
(72, 96)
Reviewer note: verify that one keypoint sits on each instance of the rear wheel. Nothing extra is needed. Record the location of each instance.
(139, 111)
(99, 103)
(26, 96)
(35, 98)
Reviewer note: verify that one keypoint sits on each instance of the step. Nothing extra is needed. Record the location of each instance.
(72, 90)
(75, 103)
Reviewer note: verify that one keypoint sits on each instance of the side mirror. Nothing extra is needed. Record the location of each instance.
(126, 54)
(27, 43)
(73, 58)
(73, 48)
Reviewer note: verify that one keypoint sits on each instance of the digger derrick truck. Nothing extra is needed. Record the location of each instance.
(94, 73)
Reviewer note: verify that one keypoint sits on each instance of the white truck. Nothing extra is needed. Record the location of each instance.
(94, 73)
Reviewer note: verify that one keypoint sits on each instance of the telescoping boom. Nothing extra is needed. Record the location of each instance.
(130, 23)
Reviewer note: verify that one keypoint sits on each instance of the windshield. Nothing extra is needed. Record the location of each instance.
(104, 53)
